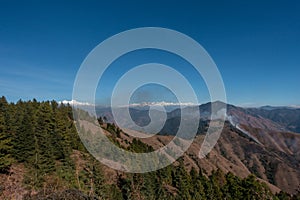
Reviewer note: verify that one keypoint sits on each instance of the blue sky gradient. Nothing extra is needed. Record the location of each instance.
(255, 44)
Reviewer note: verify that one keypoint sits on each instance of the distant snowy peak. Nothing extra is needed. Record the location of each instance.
(76, 103)
(162, 103)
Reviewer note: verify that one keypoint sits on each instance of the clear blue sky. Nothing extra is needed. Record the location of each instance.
(255, 44)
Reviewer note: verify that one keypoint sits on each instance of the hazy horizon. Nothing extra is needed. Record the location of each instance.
(255, 46)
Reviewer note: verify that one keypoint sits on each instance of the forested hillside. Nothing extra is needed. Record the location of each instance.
(42, 157)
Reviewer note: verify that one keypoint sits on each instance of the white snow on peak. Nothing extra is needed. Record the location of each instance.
(76, 103)
(163, 103)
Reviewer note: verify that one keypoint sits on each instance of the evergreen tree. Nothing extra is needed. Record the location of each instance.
(232, 189)
(23, 140)
(197, 180)
(182, 182)
(61, 138)
(98, 180)
(43, 155)
(5, 146)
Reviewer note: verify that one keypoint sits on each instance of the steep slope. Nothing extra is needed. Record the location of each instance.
(254, 140)
(277, 163)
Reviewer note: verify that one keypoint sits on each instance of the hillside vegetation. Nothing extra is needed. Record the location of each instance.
(42, 157)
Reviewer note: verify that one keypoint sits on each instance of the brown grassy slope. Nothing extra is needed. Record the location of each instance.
(275, 160)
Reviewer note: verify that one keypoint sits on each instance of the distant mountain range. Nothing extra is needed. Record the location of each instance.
(264, 141)
(281, 118)
(284, 116)
(266, 117)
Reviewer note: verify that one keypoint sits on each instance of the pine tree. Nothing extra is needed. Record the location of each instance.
(43, 156)
(8, 114)
(217, 181)
(197, 191)
(61, 139)
(182, 182)
(5, 146)
(233, 188)
(23, 140)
